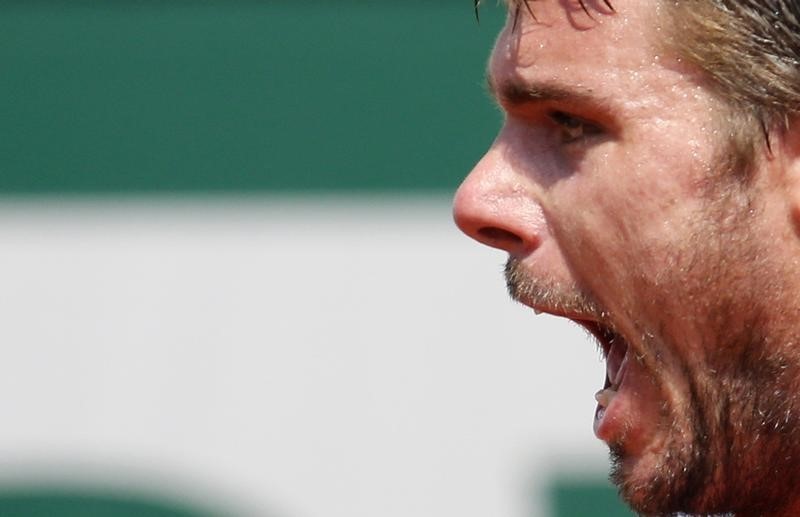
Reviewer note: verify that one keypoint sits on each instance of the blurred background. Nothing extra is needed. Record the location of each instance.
(230, 283)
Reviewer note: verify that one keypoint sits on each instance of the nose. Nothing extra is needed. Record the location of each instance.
(497, 207)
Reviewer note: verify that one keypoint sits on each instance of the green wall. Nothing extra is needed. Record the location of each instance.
(190, 96)
(55, 502)
(585, 496)
(170, 95)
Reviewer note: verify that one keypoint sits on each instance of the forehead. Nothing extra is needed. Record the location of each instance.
(565, 43)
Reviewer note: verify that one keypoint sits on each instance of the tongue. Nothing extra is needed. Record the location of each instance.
(616, 364)
(614, 361)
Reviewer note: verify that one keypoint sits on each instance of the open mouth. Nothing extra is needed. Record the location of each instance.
(615, 351)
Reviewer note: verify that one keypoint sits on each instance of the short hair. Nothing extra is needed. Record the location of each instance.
(517, 5)
(749, 51)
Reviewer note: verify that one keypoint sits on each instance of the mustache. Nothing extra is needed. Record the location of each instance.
(547, 295)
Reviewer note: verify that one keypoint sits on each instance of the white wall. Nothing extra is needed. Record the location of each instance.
(301, 357)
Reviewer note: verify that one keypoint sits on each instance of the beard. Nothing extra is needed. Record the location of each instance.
(548, 295)
(733, 444)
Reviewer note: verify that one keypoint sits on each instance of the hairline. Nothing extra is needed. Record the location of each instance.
(746, 126)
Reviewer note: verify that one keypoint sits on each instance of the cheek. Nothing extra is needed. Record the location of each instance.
(611, 222)
(642, 196)
(621, 236)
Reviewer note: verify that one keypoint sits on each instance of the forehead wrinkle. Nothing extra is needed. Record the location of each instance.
(513, 81)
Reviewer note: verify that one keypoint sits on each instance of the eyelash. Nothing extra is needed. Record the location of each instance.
(573, 129)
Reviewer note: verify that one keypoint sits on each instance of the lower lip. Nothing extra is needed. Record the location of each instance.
(599, 415)
(606, 418)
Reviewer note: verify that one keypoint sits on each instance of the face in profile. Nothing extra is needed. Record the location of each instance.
(612, 188)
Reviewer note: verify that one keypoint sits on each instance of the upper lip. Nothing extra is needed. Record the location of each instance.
(601, 331)
(555, 311)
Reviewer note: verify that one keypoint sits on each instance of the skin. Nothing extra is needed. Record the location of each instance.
(609, 187)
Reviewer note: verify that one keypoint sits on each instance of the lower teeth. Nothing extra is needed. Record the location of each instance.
(604, 397)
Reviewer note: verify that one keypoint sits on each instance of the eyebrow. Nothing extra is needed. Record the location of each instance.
(518, 93)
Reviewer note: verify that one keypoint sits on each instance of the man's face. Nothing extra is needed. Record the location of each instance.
(609, 187)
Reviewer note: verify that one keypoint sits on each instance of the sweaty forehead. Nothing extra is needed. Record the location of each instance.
(564, 39)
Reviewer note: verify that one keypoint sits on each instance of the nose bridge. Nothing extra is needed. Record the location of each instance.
(498, 205)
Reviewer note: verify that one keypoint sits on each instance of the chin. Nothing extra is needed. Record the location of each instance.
(663, 481)
(637, 480)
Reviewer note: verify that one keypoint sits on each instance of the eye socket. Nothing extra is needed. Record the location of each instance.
(573, 129)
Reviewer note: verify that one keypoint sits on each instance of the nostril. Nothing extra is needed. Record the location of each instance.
(499, 237)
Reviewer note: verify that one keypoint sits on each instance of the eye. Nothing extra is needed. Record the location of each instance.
(573, 129)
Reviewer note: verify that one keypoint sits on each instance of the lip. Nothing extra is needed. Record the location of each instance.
(614, 402)
(602, 333)
(589, 322)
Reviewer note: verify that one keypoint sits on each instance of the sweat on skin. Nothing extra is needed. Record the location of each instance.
(610, 185)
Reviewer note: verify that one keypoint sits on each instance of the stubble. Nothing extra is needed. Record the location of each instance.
(734, 446)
